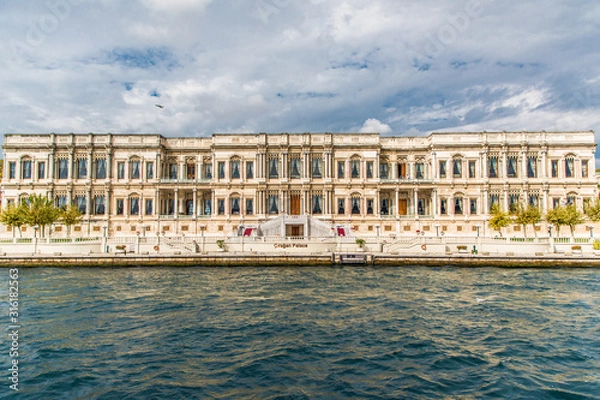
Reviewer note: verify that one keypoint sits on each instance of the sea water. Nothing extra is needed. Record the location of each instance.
(304, 333)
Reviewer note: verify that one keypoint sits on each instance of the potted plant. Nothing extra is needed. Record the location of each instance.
(221, 244)
(361, 244)
(121, 248)
(461, 248)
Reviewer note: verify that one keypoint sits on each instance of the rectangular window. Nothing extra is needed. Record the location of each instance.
(421, 206)
(442, 169)
(385, 206)
(134, 206)
(419, 170)
(317, 204)
(100, 168)
(120, 170)
(26, 172)
(531, 167)
(148, 209)
(533, 200)
(61, 201)
(172, 171)
(99, 205)
(340, 170)
(493, 167)
(273, 168)
(458, 205)
(135, 170)
(150, 170)
(207, 171)
(355, 202)
(370, 210)
(402, 174)
(355, 169)
(457, 168)
(494, 199)
(63, 168)
(341, 206)
(511, 167)
(170, 206)
(317, 168)
(569, 170)
(235, 206)
(443, 206)
(294, 168)
(249, 207)
(472, 206)
(120, 209)
(472, 169)
(81, 168)
(584, 168)
(235, 169)
(554, 168)
(207, 207)
(555, 202)
(221, 206)
(41, 172)
(384, 171)
(221, 169)
(273, 204)
(12, 170)
(370, 170)
(249, 169)
(81, 203)
(190, 171)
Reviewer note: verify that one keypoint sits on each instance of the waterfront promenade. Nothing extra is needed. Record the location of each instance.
(406, 250)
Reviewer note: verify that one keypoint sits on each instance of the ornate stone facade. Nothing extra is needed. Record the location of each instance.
(444, 182)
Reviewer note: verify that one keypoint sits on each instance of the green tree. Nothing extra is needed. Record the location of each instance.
(13, 216)
(573, 217)
(500, 219)
(527, 215)
(70, 216)
(557, 217)
(40, 211)
(592, 211)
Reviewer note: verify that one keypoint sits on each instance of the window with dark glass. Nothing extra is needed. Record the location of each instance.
(317, 168)
(81, 168)
(340, 169)
(442, 165)
(370, 206)
(207, 207)
(369, 169)
(100, 168)
(531, 167)
(472, 170)
(384, 171)
(61, 201)
(494, 199)
(273, 168)
(63, 168)
(12, 170)
(273, 204)
(472, 206)
(235, 205)
(221, 169)
(149, 208)
(513, 201)
(134, 206)
(421, 206)
(81, 203)
(121, 170)
(99, 205)
(135, 169)
(554, 168)
(173, 171)
(458, 205)
(317, 202)
(443, 206)
(190, 171)
(402, 173)
(555, 202)
(355, 168)
(341, 206)
(235, 169)
(170, 206)
(249, 207)
(120, 209)
(511, 168)
(41, 172)
(533, 200)
(189, 207)
(385, 206)
(150, 170)
(569, 168)
(26, 170)
(207, 171)
(356, 205)
(419, 170)
(221, 206)
(457, 168)
(584, 168)
(249, 169)
(295, 167)
(493, 167)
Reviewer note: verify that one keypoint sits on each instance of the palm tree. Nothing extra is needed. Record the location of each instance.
(14, 217)
(40, 211)
(500, 219)
(527, 215)
(557, 217)
(574, 217)
(70, 216)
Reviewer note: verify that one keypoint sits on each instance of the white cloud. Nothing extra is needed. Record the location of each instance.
(373, 125)
(176, 5)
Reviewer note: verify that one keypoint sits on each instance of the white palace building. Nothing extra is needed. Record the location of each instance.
(298, 185)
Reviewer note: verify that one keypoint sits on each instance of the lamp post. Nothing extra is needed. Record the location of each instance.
(143, 230)
(35, 229)
(437, 230)
(591, 228)
(202, 227)
(104, 239)
(550, 238)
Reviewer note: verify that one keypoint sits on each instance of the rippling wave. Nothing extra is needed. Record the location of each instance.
(308, 333)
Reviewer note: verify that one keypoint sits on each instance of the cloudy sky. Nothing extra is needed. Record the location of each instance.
(401, 67)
